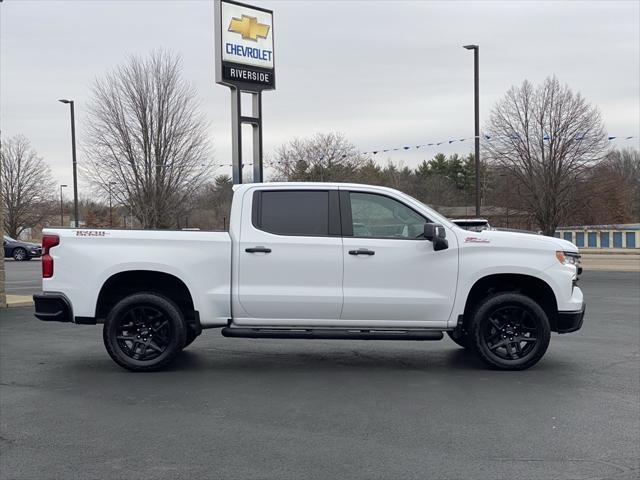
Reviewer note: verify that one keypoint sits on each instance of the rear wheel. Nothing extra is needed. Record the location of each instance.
(19, 254)
(144, 332)
(510, 331)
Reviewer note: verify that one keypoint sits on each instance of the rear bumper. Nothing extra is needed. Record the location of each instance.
(53, 307)
(571, 321)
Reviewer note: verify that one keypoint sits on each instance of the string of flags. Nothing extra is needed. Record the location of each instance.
(231, 165)
(482, 137)
(489, 138)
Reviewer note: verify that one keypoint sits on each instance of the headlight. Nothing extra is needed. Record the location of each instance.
(570, 258)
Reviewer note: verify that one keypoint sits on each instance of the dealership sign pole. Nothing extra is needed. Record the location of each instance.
(245, 63)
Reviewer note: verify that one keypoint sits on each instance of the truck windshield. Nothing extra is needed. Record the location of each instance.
(435, 216)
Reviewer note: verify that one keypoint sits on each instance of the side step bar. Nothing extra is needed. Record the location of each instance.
(332, 334)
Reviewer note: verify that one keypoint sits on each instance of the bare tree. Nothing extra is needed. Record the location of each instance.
(626, 164)
(546, 136)
(213, 206)
(324, 158)
(27, 186)
(146, 134)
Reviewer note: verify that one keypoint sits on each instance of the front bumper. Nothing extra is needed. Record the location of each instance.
(53, 307)
(570, 321)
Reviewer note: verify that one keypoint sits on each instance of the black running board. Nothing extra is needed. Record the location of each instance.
(332, 334)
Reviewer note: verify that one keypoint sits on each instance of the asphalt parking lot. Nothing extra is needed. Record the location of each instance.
(250, 409)
(23, 278)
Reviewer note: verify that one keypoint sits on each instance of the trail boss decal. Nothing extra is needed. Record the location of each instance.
(476, 240)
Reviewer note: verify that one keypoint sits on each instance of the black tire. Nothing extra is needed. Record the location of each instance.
(461, 338)
(510, 331)
(19, 254)
(130, 327)
(191, 336)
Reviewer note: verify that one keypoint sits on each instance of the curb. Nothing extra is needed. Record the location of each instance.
(15, 301)
(19, 304)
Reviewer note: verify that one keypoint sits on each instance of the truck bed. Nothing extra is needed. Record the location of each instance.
(86, 258)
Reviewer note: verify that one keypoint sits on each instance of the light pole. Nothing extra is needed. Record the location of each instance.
(476, 82)
(73, 153)
(110, 209)
(61, 209)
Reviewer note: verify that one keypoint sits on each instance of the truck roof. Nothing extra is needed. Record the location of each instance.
(335, 185)
(332, 185)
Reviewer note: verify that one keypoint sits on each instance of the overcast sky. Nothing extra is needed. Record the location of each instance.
(384, 73)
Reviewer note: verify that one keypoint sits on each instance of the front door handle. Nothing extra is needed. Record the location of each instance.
(362, 251)
(258, 250)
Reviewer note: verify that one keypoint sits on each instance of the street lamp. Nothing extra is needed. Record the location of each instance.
(61, 210)
(476, 81)
(110, 210)
(73, 153)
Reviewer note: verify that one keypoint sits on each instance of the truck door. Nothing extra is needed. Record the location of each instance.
(290, 256)
(391, 273)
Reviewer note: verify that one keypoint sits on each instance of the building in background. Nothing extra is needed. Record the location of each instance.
(624, 236)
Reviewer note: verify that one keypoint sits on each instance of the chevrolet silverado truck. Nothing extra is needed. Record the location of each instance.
(315, 261)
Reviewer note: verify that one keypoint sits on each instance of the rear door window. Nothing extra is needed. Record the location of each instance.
(292, 212)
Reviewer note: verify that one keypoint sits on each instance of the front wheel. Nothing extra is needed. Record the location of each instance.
(19, 254)
(510, 331)
(144, 332)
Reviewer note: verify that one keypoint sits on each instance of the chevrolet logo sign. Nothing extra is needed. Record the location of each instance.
(249, 28)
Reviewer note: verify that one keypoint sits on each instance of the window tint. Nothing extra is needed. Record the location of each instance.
(294, 212)
(383, 217)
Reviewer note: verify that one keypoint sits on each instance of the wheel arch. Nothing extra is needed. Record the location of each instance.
(533, 287)
(124, 283)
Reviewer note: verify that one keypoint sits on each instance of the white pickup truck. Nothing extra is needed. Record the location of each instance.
(315, 261)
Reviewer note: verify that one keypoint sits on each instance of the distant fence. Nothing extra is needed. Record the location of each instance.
(602, 236)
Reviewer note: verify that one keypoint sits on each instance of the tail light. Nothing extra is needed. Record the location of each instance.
(48, 242)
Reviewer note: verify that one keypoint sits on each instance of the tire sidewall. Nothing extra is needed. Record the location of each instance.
(481, 316)
(172, 313)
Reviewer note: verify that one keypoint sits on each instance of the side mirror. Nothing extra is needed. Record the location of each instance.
(436, 233)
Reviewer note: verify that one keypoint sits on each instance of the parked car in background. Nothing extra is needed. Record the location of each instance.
(472, 224)
(20, 250)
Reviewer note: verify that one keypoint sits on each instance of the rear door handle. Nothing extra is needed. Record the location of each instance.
(362, 251)
(258, 250)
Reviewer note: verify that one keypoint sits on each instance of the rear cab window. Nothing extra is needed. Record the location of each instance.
(296, 212)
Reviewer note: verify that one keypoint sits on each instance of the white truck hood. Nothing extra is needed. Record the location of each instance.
(515, 239)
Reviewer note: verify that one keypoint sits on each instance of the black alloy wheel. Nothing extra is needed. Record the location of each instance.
(510, 331)
(144, 332)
